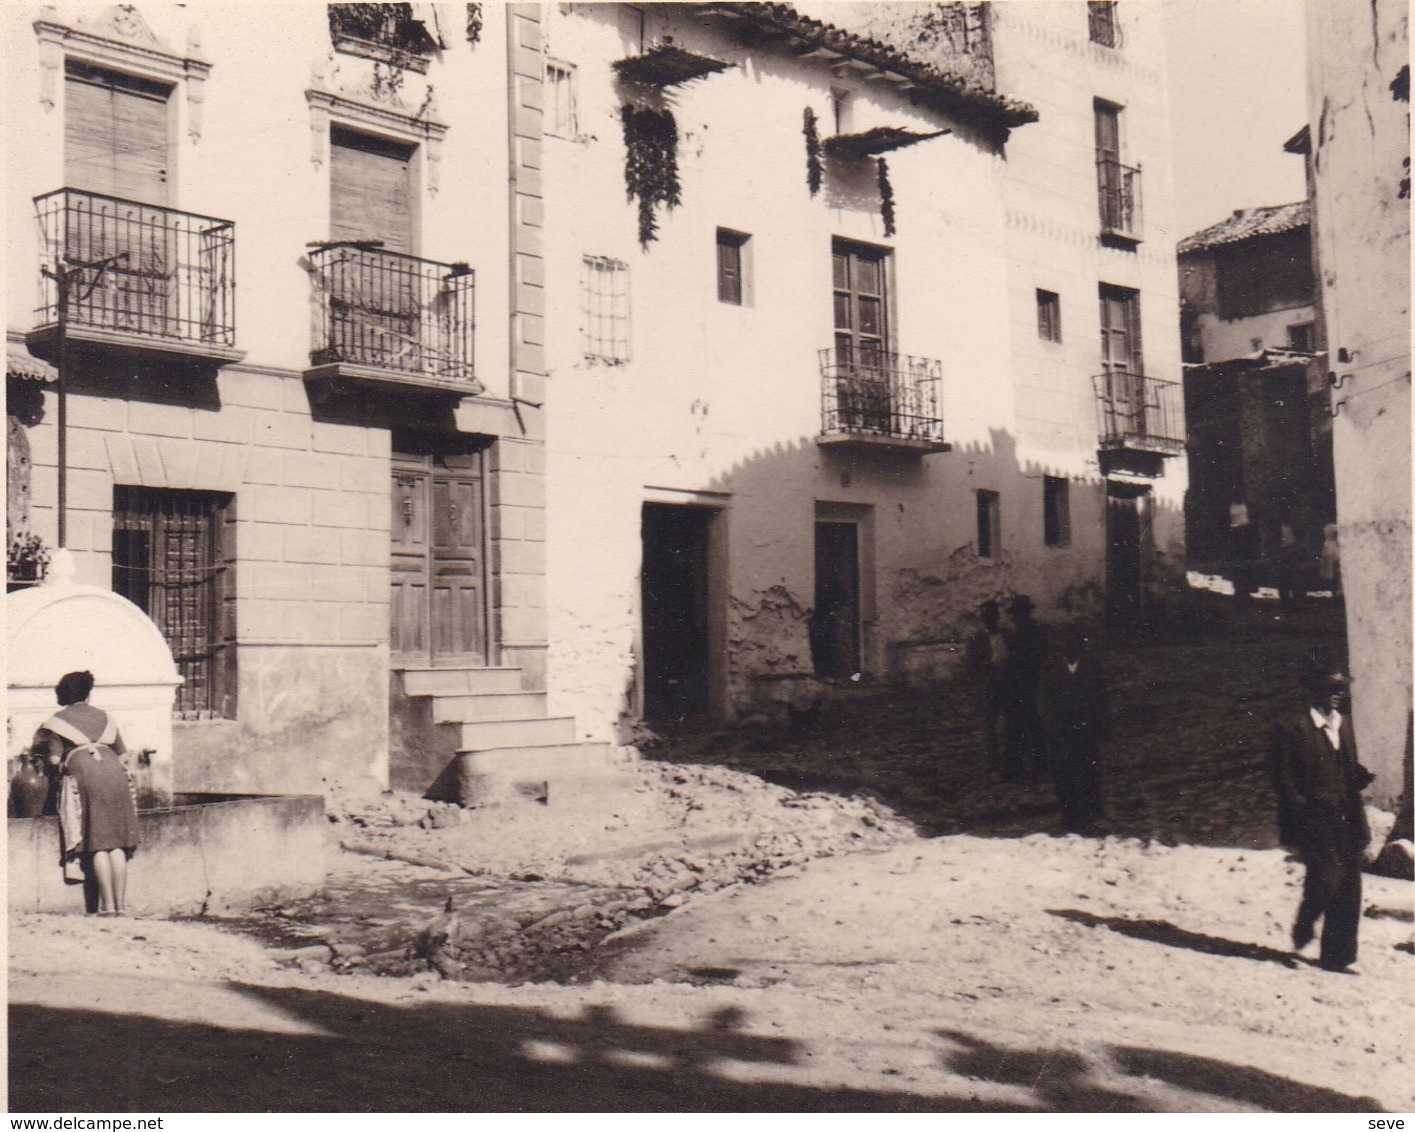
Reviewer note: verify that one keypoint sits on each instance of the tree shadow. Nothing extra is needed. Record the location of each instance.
(1162, 931)
(316, 1051)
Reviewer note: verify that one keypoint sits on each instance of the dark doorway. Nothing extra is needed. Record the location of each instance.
(438, 601)
(835, 625)
(1127, 538)
(674, 601)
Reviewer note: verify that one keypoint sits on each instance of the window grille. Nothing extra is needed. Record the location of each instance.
(170, 560)
(1105, 27)
(604, 298)
(560, 100)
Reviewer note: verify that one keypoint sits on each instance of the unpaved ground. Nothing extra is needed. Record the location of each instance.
(728, 944)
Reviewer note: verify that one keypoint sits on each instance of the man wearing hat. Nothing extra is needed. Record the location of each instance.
(1319, 780)
(1024, 742)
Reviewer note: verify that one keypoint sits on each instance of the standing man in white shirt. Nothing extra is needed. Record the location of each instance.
(1319, 780)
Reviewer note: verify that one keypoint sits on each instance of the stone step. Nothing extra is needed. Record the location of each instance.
(546, 731)
(476, 708)
(461, 681)
(549, 760)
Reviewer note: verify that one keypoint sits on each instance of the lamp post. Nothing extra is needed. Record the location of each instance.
(66, 278)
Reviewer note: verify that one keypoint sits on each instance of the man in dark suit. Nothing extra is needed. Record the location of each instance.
(985, 656)
(1076, 712)
(1023, 741)
(1319, 779)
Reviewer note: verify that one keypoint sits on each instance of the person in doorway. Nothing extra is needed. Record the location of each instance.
(1318, 779)
(1076, 713)
(985, 656)
(1023, 740)
(98, 815)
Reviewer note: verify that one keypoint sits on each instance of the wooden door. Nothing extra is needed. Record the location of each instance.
(835, 624)
(438, 568)
(674, 586)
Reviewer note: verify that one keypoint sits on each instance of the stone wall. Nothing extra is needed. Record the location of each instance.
(1359, 101)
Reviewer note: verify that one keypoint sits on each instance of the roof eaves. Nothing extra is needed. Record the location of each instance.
(947, 91)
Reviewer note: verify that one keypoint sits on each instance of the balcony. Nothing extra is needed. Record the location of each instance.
(1141, 421)
(388, 319)
(874, 398)
(162, 288)
(1120, 201)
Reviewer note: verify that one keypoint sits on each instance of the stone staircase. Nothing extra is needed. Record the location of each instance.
(494, 739)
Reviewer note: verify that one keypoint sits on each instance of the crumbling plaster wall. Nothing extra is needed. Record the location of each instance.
(1358, 95)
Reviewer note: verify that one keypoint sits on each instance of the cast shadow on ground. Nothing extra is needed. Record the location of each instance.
(1162, 931)
(1064, 1083)
(326, 1052)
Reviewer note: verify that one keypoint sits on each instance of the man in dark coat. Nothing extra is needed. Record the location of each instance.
(1319, 779)
(984, 656)
(1076, 712)
(1024, 742)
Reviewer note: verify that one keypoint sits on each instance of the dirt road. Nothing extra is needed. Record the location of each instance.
(816, 954)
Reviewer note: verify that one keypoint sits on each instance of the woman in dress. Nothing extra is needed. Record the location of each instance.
(98, 816)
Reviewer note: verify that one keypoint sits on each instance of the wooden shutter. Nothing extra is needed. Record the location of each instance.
(115, 134)
(370, 190)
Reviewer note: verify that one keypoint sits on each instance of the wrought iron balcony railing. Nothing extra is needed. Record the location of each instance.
(169, 276)
(390, 311)
(1120, 198)
(876, 393)
(1139, 413)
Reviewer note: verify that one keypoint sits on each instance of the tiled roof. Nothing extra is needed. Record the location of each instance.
(950, 91)
(1246, 224)
(19, 363)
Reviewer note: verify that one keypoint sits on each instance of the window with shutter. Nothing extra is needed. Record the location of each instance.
(115, 134)
(370, 190)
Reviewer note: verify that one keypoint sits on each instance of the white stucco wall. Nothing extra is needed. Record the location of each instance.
(725, 401)
(1360, 135)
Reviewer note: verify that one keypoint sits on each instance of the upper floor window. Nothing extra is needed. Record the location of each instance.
(561, 119)
(860, 278)
(173, 557)
(1105, 26)
(370, 192)
(387, 32)
(1048, 316)
(1117, 182)
(732, 267)
(116, 134)
(604, 310)
(1302, 336)
(1120, 330)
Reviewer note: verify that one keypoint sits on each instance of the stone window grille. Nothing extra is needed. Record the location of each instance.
(604, 310)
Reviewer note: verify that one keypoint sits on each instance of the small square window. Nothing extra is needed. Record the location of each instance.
(1048, 316)
(1056, 511)
(989, 524)
(732, 267)
(1302, 336)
